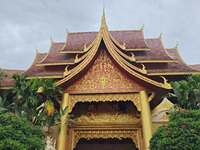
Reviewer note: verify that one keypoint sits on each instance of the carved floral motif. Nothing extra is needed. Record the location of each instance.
(110, 113)
(73, 99)
(105, 77)
(106, 134)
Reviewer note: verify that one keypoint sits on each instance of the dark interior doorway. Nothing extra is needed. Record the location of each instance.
(106, 144)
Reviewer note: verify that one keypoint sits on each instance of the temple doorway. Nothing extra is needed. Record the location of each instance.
(106, 144)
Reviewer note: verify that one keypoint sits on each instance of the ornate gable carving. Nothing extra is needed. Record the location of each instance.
(107, 112)
(104, 77)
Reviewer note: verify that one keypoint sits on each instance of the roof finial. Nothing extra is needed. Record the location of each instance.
(160, 35)
(142, 28)
(67, 31)
(103, 16)
(103, 19)
(176, 45)
(36, 51)
(51, 39)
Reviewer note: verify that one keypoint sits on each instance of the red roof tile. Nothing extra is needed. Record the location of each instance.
(34, 69)
(6, 82)
(133, 39)
(196, 67)
(76, 41)
(54, 56)
(157, 51)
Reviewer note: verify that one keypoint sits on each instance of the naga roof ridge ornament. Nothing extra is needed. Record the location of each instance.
(144, 69)
(85, 48)
(76, 58)
(166, 84)
(132, 57)
(66, 72)
(124, 46)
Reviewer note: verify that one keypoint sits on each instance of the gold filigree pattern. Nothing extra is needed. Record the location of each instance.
(105, 135)
(109, 113)
(104, 77)
(73, 99)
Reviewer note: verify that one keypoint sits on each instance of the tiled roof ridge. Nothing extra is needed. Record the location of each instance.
(52, 42)
(180, 58)
(11, 69)
(31, 67)
(195, 66)
(151, 43)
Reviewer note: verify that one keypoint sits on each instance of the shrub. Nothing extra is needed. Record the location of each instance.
(181, 133)
(19, 134)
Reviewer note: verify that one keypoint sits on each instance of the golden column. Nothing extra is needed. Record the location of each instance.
(146, 118)
(63, 128)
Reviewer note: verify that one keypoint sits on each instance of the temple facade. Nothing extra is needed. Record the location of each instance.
(112, 82)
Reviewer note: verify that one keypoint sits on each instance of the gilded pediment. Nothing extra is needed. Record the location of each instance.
(104, 77)
(107, 112)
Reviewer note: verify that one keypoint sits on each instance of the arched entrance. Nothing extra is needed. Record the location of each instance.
(106, 144)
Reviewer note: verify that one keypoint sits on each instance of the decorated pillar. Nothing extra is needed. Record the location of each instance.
(146, 118)
(63, 128)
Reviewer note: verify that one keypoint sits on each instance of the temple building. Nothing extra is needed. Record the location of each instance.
(113, 82)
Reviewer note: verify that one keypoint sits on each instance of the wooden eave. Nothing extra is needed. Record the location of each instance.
(155, 61)
(55, 64)
(72, 52)
(172, 73)
(103, 35)
(45, 77)
(195, 66)
(177, 55)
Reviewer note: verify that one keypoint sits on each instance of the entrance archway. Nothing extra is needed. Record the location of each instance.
(106, 144)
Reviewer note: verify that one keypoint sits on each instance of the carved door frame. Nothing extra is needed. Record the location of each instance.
(133, 132)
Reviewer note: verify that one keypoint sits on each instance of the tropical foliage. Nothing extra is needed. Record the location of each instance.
(17, 133)
(181, 133)
(1, 76)
(36, 100)
(187, 92)
(26, 97)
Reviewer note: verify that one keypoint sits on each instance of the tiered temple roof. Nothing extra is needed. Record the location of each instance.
(143, 60)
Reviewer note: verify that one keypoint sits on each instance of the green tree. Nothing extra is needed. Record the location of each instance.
(38, 100)
(187, 92)
(5, 105)
(26, 98)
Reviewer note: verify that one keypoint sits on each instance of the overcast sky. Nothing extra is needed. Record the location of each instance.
(29, 24)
